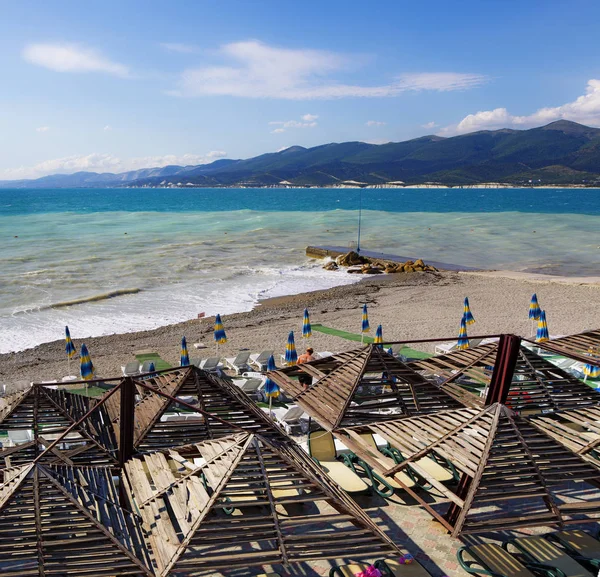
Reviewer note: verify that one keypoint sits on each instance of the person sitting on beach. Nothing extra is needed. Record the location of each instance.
(305, 379)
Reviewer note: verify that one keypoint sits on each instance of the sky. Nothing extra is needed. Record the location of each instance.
(113, 86)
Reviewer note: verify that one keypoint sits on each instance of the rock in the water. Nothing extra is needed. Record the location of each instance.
(331, 266)
(419, 262)
(351, 258)
(371, 270)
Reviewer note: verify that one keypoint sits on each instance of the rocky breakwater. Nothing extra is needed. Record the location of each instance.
(357, 264)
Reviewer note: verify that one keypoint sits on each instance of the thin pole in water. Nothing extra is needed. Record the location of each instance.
(359, 218)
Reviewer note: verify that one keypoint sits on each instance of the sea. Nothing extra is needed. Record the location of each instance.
(106, 261)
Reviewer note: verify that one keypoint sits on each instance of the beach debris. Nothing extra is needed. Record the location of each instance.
(357, 264)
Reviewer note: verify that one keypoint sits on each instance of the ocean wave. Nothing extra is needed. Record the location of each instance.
(90, 299)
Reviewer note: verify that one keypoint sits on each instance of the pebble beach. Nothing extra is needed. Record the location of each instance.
(408, 306)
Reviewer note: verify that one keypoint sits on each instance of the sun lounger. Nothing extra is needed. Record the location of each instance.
(321, 448)
(442, 473)
(196, 362)
(539, 550)
(211, 365)
(249, 386)
(490, 558)
(579, 544)
(240, 363)
(290, 419)
(147, 366)
(394, 568)
(131, 369)
(383, 486)
(323, 355)
(260, 360)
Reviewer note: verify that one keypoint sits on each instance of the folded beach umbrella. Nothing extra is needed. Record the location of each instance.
(534, 308)
(87, 368)
(219, 334)
(589, 370)
(271, 389)
(463, 339)
(467, 312)
(378, 340)
(290, 350)
(185, 358)
(542, 329)
(365, 320)
(390, 351)
(69, 346)
(306, 328)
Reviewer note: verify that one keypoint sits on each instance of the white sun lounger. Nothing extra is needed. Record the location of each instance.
(211, 365)
(260, 360)
(131, 369)
(250, 385)
(290, 418)
(240, 363)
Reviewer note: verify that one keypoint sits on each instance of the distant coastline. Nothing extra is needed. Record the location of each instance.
(560, 154)
(491, 186)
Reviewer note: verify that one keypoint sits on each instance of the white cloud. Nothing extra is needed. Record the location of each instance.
(374, 123)
(308, 121)
(584, 109)
(62, 57)
(42, 129)
(98, 162)
(429, 125)
(253, 69)
(107, 128)
(179, 47)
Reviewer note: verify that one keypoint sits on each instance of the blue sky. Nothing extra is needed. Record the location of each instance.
(113, 86)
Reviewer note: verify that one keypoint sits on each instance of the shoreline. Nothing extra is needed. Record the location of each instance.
(413, 305)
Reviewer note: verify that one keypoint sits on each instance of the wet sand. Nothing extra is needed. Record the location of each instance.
(409, 306)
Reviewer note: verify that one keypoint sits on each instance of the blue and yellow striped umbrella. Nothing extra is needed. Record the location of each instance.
(378, 340)
(589, 370)
(69, 346)
(534, 308)
(365, 320)
(542, 329)
(306, 328)
(184, 360)
(463, 339)
(271, 389)
(219, 334)
(87, 368)
(467, 312)
(290, 350)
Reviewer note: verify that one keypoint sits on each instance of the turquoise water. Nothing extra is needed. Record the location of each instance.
(167, 255)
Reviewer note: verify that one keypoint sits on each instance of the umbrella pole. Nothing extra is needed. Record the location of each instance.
(270, 406)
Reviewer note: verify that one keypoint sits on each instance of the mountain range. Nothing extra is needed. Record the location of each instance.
(562, 152)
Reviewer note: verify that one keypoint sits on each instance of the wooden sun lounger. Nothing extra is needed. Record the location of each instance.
(321, 448)
(539, 550)
(491, 558)
(580, 545)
